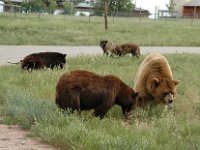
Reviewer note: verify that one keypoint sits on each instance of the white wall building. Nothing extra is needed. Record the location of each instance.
(1, 6)
(152, 6)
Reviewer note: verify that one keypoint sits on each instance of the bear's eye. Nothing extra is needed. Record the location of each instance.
(166, 93)
(172, 93)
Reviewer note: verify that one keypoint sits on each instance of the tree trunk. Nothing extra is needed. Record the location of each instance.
(106, 13)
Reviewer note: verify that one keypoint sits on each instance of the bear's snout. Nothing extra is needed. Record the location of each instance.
(169, 99)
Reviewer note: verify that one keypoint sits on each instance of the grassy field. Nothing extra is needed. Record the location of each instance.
(67, 30)
(27, 99)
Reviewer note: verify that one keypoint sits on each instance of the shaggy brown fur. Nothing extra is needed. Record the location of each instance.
(154, 81)
(84, 90)
(120, 50)
(43, 60)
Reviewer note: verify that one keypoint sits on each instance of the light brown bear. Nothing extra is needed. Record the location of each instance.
(119, 49)
(154, 81)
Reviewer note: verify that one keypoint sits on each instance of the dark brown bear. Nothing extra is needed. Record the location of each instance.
(43, 60)
(84, 90)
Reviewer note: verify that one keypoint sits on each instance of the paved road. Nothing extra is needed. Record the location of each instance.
(16, 53)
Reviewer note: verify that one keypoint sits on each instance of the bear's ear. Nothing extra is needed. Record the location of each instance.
(135, 94)
(176, 82)
(154, 82)
(64, 55)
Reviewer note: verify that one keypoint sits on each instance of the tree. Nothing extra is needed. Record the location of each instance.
(171, 5)
(35, 5)
(25, 5)
(106, 13)
(52, 4)
(68, 6)
(114, 5)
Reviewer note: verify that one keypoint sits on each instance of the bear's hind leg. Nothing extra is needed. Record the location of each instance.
(69, 99)
(75, 99)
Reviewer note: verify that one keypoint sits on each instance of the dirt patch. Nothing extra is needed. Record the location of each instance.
(12, 137)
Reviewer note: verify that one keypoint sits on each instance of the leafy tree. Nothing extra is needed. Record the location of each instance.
(52, 4)
(37, 4)
(26, 5)
(33, 4)
(115, 5)
(171, 5)
(69, 7)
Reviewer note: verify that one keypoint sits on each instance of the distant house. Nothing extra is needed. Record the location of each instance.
(179, 6)
(187, 8)
(137, 12)
(84, 8)
(12, 5)
(14, 2)
(1, 6)
(140, 12)
(168, 14)
(192, 9)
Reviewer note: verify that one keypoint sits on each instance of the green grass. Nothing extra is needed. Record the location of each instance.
(57, 30)
(27, 99)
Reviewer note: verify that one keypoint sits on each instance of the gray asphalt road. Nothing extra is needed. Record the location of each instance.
(16, 53)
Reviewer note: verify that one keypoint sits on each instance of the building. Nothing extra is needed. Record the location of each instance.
(179, 6)
(192, 9)
(84, 8)
(187, 8)
(137, 12)
(12, 5)
(1, 6)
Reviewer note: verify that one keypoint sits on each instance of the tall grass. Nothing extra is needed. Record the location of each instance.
(27, 98)
(57, 30)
